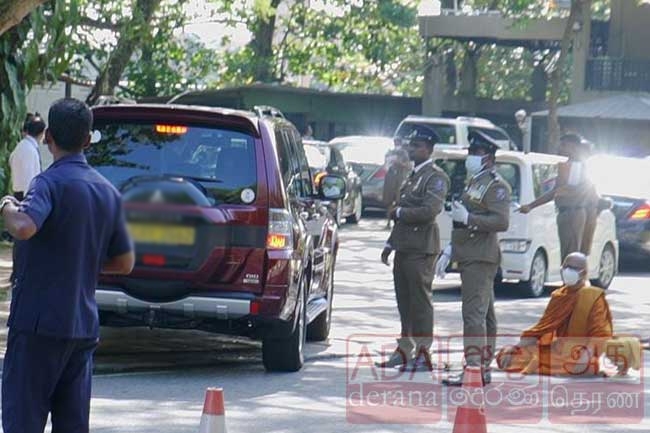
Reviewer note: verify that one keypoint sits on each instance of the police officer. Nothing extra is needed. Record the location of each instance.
(482, 212)
(416, 242)
(69, 228)
(576, 200)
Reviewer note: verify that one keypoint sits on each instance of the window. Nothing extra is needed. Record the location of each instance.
(221, 160)
(544, 176)
(445, 131)
(284, 158)
(455, 169)
(306, 186)
(336, 160)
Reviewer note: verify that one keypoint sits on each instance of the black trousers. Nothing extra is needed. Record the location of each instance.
(43, 375)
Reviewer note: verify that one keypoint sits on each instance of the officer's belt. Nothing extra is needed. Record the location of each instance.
(459, 225)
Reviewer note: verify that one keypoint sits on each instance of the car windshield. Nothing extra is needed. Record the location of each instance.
(445, 131)
(455, 169)
(315, 157)
(620, 176)
(221, 160)
(366, 153)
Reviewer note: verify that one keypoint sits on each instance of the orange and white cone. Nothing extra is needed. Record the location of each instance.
(470, 418)
(213, 419)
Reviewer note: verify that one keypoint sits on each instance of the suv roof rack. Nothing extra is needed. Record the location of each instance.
(268, 111)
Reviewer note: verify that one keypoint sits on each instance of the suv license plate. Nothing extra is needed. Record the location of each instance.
(162, 234)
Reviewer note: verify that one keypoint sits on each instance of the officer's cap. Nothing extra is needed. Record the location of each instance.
(480, 140)
(424, 133)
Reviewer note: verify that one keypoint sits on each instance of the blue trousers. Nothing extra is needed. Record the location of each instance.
(43, 375)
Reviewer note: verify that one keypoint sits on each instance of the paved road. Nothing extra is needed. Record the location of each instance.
(155, 380)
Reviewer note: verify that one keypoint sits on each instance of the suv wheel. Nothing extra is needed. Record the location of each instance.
(534, 287)
(319, 328)
(286, 354)
(358, 210)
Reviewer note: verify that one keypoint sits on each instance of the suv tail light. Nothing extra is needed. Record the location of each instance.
(641, 213)
(380, 174)
(280, 235)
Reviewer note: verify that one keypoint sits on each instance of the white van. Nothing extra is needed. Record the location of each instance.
(531, 247)
(454, 131)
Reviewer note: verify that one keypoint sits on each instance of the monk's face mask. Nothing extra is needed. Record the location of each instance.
(571, 276)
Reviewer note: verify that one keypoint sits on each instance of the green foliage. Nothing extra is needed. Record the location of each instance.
(365, 46)
(32, 52)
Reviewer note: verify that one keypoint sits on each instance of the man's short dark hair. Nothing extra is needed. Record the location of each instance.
(35, 126)
(70, 121)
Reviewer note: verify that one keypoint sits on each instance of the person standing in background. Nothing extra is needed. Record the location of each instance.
(576, 200)
(25, 160)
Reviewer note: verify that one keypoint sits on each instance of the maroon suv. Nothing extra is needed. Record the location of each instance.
(217, 202)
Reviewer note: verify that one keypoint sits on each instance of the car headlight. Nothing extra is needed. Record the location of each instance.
(514, 245)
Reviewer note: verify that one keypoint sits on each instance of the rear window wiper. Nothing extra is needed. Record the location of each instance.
(196, 178)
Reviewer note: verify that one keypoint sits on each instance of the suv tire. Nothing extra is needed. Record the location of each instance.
(286, 354)
(319, 328)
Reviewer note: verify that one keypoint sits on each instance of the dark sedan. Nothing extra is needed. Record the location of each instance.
(626, 181)
(325, 159)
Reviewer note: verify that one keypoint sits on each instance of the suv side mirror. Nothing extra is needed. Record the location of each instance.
(331, 187)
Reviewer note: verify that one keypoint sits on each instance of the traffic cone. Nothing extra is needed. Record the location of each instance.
(213, 419)
(470, 418)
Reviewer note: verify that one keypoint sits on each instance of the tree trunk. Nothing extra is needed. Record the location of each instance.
(262, 46)
(131, 37)
(13, 11)
(469, 72)
(578, 9)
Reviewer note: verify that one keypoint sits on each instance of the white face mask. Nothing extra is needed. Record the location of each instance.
(473, 164)
(570, 277)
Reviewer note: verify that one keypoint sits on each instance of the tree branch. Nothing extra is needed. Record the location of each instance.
(12, 12)
(103, 25)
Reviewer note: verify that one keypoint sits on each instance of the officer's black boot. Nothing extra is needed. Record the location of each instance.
(457, 379)
(398, 358)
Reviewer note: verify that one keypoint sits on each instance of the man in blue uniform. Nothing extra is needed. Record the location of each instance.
(69, 228)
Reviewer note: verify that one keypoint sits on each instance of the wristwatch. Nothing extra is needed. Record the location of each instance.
(3, 204)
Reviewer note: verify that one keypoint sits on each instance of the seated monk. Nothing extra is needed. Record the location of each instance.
(571, 335)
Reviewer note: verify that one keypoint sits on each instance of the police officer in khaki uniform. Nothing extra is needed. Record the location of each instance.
(416, 241)
(483, 211)
(576, 200)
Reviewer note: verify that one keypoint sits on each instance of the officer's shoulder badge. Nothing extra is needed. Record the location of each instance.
(439, 185)
(501, 193)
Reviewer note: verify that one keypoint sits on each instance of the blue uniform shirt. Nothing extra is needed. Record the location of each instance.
(80, 223)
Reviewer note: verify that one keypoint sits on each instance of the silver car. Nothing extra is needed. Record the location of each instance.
(367, 156)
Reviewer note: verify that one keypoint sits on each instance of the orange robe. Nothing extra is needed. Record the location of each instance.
(572, 318)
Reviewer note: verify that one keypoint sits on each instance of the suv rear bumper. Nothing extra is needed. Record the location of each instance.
(190, 307)
(224, 314)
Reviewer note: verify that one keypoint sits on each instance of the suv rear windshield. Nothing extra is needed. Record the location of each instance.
(455, 169)
(446, 132)
(221, 160)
